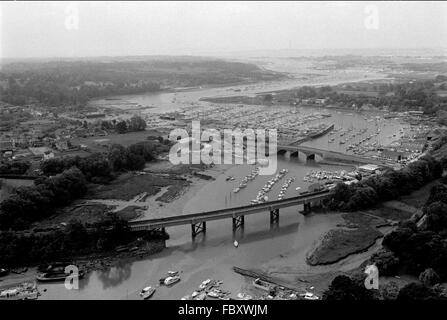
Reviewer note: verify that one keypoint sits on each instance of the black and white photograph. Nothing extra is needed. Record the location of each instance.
(223, 154)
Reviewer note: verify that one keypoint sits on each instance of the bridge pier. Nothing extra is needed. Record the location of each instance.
(238, 222)
(274, 216)
(197, 228)
(306, 208)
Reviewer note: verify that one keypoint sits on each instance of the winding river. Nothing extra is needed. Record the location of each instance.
(213, 255)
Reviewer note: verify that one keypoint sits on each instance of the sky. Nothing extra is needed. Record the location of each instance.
(84, 29)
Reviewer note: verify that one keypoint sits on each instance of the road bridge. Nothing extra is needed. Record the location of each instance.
(237, 214)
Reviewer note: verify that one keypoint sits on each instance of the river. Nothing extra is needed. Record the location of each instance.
(213, 255)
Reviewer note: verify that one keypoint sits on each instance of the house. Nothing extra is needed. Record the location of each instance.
(61, 145)
(44, 152)
(369, 168)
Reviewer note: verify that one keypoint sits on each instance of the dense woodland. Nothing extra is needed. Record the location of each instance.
(67, 82)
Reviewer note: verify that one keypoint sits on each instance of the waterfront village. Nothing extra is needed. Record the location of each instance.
(43, 135)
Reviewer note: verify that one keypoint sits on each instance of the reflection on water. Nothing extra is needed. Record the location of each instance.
(115, 275)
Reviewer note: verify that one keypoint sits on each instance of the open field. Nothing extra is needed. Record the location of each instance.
(128, 186)
(100, 143)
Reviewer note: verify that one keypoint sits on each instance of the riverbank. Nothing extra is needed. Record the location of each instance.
(341, 250)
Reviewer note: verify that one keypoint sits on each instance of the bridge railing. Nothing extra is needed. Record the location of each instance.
(252, 207)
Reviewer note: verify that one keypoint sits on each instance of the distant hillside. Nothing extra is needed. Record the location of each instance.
(72, 82)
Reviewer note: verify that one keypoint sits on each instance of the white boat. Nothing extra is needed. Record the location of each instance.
(244, 296)
(169, 281)
(310, 296)
(147, 292)
(213, 294)
(201, 296)
(204, 284)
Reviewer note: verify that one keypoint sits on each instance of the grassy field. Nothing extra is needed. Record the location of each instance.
(129, 185)
(101, 143)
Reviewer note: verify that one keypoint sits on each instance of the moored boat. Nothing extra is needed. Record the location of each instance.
(147, 292)
(56, 276)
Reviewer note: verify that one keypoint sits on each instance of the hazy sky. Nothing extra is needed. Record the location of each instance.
(52, 29)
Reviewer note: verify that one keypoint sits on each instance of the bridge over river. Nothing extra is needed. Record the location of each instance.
(237, 214)
(310, 153)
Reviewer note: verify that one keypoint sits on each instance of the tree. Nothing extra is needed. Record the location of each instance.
(135, 161)
(416, 291)
(436, 216)
(386, 262)
(118, 157)
(121, 127)
(390, 291)
(344, 288)
(137, 124)
(429, 277)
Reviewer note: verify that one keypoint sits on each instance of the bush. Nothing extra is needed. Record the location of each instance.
(429, 277)
(416, 291)
(344, 288)
(386, 262)
(390, 291)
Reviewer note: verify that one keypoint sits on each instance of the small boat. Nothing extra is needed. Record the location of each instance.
(244, 296)
(258, 283)
(56, 276)
(309, 296)
(204, 284)
(229, 178)
(169, 281)
(213, 294)
(201, 296)
(147, 292)
(235, 243)
(3, 272)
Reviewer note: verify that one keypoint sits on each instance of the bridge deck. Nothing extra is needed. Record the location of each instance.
(148, 224)
(332, 154)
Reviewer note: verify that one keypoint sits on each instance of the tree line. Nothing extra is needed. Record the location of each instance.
(76, 239)
(134, 124)
(386, 186)
(14, 167)
(398, 97)
(65, 179)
